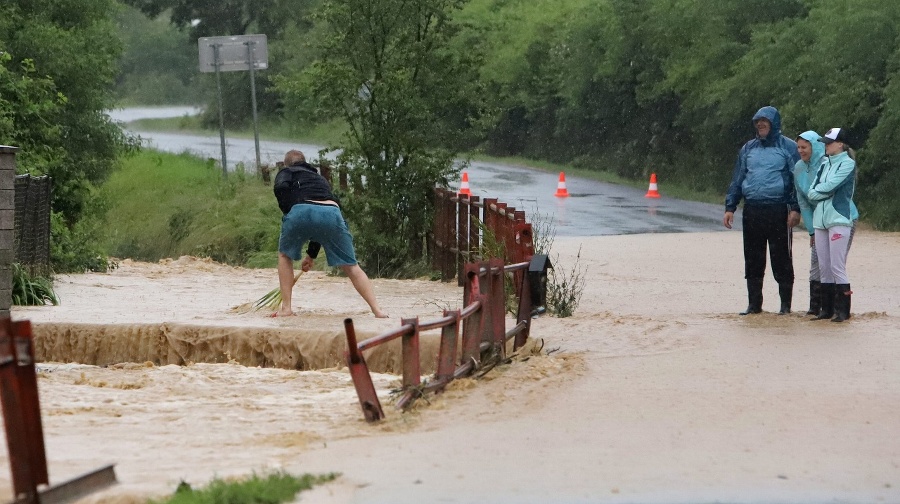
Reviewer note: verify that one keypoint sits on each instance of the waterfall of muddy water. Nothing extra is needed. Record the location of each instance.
(177, 312)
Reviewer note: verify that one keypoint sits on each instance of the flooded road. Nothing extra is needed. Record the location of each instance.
(593, 208)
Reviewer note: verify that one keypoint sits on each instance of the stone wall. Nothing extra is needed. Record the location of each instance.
(7, 224)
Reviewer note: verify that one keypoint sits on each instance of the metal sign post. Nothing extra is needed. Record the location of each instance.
(217, 63)
(234, 54)
(253, 98)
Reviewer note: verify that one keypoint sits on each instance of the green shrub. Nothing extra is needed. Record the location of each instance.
(76, 248)
(29, 290)
(564, 288)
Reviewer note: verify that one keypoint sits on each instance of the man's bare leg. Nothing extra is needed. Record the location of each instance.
(364, 287)
(286, 284)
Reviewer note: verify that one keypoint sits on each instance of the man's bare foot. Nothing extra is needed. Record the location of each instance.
(284, 313)
(380, 314)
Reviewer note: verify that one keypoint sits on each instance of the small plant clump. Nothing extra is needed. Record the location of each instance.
(272, 489)
(565, 288)
(31, 290)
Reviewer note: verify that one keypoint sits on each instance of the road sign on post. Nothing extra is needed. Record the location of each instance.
(234, 54)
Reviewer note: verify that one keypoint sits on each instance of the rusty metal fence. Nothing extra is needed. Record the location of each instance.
(466, 229)
(482, 323)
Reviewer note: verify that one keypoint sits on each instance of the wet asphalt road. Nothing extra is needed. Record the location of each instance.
(592, 209)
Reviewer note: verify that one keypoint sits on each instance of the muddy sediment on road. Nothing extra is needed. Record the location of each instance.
(656, 390)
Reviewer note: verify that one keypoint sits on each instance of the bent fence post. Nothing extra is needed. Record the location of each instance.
(362, 380)
(24, 431)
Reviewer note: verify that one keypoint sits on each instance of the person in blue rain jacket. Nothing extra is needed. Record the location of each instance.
(764, 180)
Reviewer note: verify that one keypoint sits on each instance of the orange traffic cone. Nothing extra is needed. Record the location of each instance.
(653, 192)
(464, 185)
(561, 191)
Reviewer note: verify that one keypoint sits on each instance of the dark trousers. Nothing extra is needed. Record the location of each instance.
(766, 225)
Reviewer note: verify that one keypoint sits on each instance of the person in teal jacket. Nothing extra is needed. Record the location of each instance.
(833, 218)
(812, 152)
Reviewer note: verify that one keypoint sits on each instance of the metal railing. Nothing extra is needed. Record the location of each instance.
(461, 224)
(483, 340)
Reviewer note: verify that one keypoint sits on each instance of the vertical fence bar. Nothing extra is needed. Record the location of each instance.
(412, 374)
(524, 247)
(508, 236)
(21, 410)
(520, 247)
(486, 291)
(475, 224)
(472, 326)
(29, 400)
(437, 226)
(462, 235)
(452, 243)
(362, 380)
(524, 312)
(17, 443)
(489, 218)
(447, 353)
(497, 278)
(500, 226)
(448, 260)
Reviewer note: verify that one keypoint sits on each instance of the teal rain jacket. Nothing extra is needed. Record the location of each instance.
(804, 174)
(832, 191)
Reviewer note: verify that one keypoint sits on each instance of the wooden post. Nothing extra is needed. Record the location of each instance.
(7, 225)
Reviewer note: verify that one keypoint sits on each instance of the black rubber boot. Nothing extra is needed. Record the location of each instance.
(754, 294)
(827, 302)
(785, 292)
(815, 297)
(842, 303)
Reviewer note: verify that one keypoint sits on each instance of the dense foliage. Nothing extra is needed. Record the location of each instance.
(57, 63)
(389, 70)
(157, 66)
(279, 20)
(669, 86)
(624, 86)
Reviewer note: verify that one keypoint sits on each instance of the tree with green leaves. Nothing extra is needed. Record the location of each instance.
(277, 19)
(407, 95)
(58, 63)
(158, 64)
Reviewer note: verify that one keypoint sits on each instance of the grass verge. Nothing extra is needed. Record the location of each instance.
(169, 205)
(272, 489)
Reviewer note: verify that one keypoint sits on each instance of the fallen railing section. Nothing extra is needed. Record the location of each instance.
(24, 432)
(483, 340)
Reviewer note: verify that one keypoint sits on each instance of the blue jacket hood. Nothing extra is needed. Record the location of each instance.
(818, 148)
(774, 117)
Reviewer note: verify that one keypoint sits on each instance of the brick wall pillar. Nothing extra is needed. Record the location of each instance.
(7, 224)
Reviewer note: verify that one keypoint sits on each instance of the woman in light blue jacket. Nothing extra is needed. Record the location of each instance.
(812, 152)
(833, 219)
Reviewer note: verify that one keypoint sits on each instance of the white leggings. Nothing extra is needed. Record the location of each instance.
(832, 245)
(814, 257)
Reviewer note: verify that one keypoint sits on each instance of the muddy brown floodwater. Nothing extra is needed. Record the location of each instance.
(655, 391)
